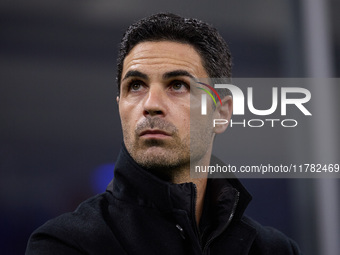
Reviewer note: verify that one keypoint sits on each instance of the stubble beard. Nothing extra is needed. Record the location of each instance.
(164, 158)
(170, 157)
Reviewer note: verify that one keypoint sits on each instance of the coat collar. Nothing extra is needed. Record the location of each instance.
(134, 184)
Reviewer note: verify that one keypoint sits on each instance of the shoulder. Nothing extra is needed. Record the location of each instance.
(75, 231)
(88, 214)
(269, 240)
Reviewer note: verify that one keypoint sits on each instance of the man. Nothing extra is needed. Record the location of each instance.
(153, 205)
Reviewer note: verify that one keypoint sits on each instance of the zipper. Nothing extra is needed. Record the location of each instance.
(226, 225)
(196, 230)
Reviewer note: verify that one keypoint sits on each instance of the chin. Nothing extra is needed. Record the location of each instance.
(159, 158)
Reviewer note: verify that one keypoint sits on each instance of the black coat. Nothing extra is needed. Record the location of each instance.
(141, 214)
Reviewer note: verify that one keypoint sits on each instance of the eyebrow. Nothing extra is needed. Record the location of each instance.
(168, 75)
(177, 73)
(135, 73)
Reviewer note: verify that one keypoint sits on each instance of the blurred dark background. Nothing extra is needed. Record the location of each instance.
(59, 126)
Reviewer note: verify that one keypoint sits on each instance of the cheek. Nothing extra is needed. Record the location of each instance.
(127, 109)
(183, 118)
(125, 117)
(129, 117)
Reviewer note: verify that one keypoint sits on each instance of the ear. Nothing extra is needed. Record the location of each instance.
(223, 113)
(117, 99)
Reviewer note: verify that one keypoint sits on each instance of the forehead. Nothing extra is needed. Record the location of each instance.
(155, 57)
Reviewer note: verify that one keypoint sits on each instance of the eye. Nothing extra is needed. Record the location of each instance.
(135, 85)
(179, 85)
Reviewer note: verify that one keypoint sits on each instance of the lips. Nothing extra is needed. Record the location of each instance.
(154, 133)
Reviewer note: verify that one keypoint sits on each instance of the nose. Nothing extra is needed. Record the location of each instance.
(155, 102)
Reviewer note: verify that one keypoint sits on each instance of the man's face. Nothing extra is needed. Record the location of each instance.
(154, 103)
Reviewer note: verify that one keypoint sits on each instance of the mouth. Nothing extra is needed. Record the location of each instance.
(154, 134)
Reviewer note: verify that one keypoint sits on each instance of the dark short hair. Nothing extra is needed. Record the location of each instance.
(214, 51)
